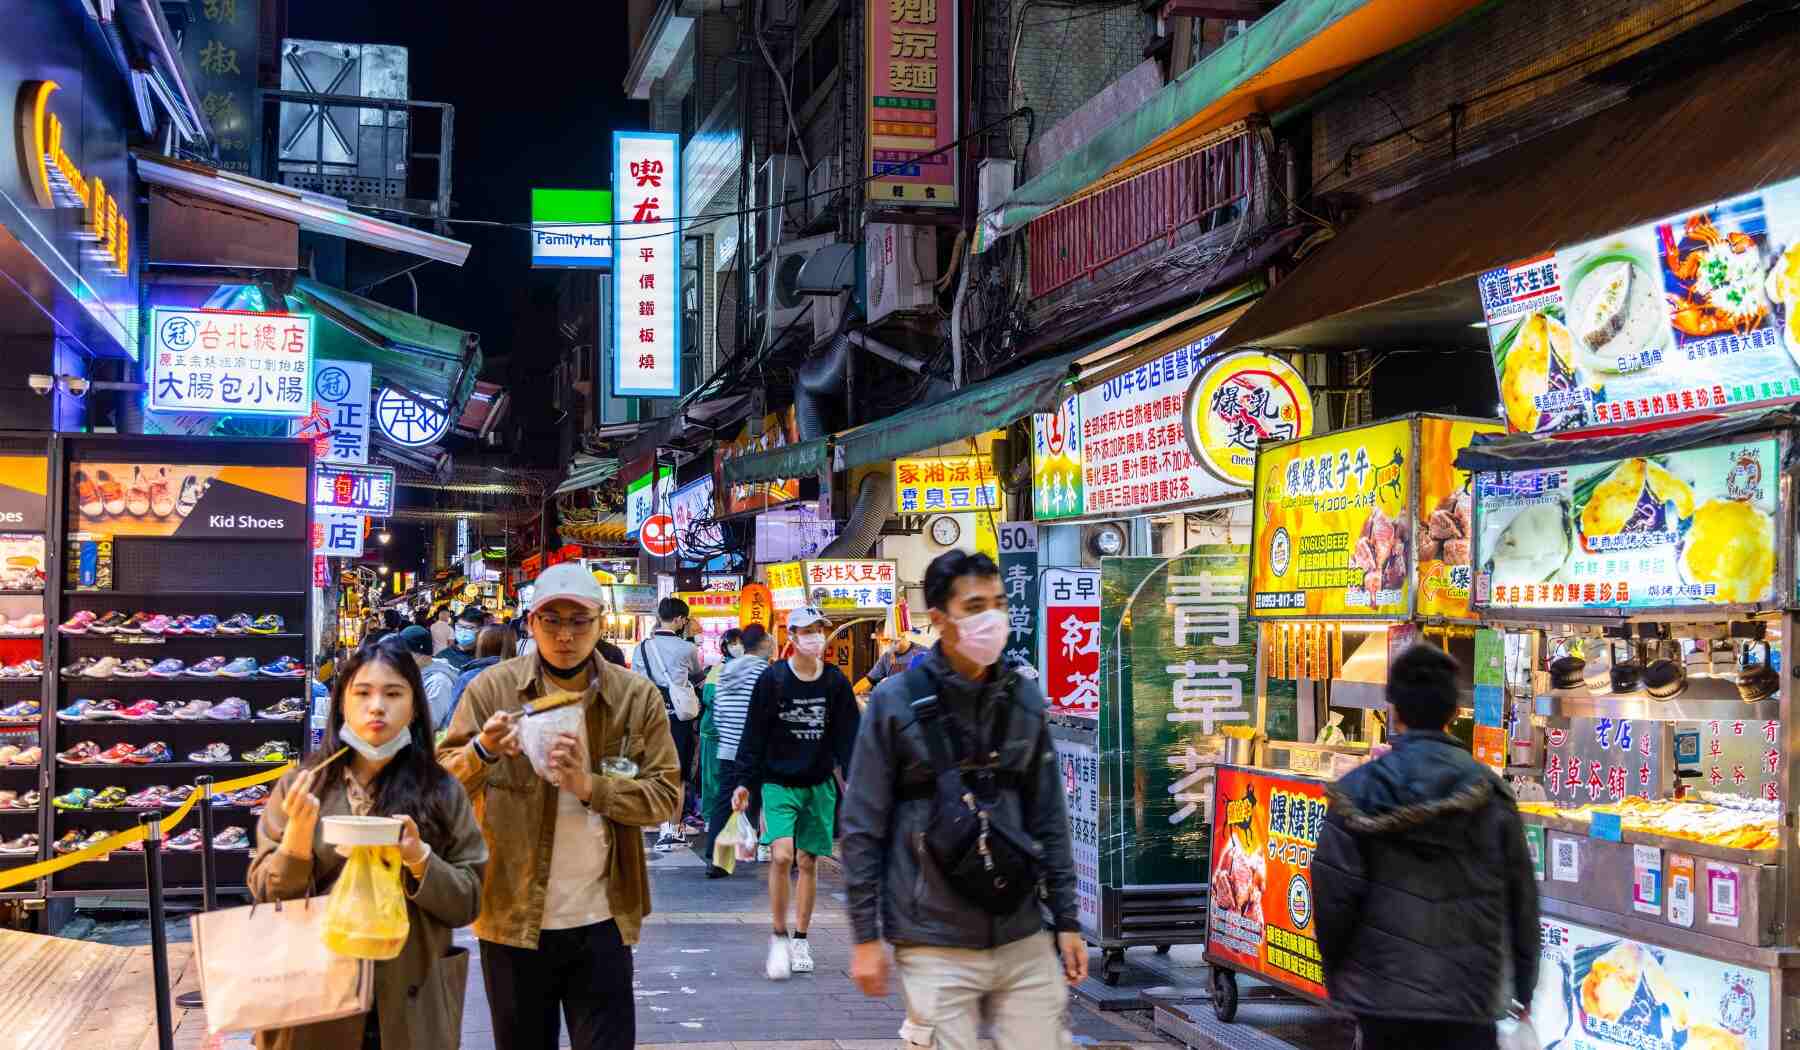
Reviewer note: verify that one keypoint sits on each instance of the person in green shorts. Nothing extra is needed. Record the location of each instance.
(802, 723)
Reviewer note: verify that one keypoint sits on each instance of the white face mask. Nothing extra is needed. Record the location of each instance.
(370, 751)
(981, 636)
(810, 644)
(735, 649)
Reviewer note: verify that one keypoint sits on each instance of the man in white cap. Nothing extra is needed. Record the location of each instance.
(803, 720)
(567, 887)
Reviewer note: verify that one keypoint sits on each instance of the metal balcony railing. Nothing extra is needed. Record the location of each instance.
(391, 155)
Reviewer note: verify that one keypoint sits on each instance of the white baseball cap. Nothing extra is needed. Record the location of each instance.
(567, 582)
(806, 616)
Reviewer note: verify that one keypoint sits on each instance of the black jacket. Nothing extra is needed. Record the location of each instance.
(795, 730)
(1423, 887)
(895, 889)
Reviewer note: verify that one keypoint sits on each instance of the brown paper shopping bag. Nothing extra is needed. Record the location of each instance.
(266, 966)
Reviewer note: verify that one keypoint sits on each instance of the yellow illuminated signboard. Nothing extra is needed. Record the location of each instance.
(58, 182)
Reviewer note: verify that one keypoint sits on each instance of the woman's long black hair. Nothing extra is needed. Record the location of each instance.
(412, 783)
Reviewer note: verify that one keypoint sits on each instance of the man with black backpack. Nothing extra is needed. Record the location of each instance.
(956, 835)
(672, 662)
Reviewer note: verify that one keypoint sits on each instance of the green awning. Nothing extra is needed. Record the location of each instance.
(1284, 57)
(970, 411)
(803, 459)
(586, 472)
(427, 358)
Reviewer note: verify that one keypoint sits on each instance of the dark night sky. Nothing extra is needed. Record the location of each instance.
(532, 109)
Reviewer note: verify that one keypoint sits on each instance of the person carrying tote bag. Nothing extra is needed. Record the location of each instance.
(378, 712)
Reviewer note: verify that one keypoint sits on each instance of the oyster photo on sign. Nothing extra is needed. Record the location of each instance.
(1534, 544)
(1537, 365)
(1636, 496)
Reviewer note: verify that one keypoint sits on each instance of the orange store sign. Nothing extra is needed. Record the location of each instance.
(56, 181)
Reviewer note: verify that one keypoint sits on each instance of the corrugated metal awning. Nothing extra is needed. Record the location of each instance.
(802, 459)
(1405, 269)
(427, 358)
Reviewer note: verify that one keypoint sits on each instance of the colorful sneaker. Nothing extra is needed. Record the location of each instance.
(290, 710)
(173, 798)
(107, 622)
(267, 623)
(25, 845)
(30, 624)
(192, 711)
(153, 753)
(135, 624)
(72, 840)
(29, 757)
(207, 668)
(29, 800)
(149, 798)
(214, 752)
(232, 838)
(158, 624)
(179, 624)
(242, 667)
(103, 711)
(27, 669)
(80, 755)
(137, 846)
(286, 667)
(111, 798)
(230, 709)
(238, 624)
(118, 754)
(188, 841)
(79, 623)
(76, 711)
(250, 796)
(136, 667)
(79, 668)
(169, 668)
(74, 798)
(94, 839)
(272, 751)
(104, 667)
(25, 711)
(206, 623)
(142, 711)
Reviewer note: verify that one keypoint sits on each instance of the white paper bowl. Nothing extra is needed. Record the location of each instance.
(362, 831)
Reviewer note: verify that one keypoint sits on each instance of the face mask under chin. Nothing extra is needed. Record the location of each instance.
(374, 752)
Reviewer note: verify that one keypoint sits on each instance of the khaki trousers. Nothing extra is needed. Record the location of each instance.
(1021, 985)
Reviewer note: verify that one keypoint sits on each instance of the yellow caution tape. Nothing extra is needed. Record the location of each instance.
(31, 872)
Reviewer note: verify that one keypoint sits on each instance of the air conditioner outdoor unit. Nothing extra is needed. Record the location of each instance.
(784, 300)
(901, 269)
(822, 188)
(778, 180)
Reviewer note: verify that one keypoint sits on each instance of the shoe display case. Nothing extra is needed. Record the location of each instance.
(179, 593)
(24, 564)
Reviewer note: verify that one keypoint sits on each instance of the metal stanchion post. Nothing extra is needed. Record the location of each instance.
(209, 873)
(159, 937)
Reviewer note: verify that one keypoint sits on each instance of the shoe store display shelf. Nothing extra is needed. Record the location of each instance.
(235, 539)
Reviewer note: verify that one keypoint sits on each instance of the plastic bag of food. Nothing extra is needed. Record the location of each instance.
(538, 731)
(365, 916)
(728, 848)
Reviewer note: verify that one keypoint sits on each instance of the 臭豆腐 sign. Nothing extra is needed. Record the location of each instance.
(945, 484)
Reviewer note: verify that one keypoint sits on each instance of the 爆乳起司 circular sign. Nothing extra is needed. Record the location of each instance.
(1239, 401)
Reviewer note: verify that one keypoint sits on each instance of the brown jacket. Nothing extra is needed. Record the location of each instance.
(517, 808)
(419, 993)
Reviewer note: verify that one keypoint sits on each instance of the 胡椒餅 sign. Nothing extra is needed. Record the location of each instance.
(571, 229)
(348, 489)
(229, 362)
(646, 358)
(911, 112)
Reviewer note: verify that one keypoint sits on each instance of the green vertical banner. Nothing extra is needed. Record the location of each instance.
(1489, 739)
(1018, 543)
(218, 51)
(1179, 664)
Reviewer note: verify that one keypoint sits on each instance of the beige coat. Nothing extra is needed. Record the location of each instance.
(419, 993)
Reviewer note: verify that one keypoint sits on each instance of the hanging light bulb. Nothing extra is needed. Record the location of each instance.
(383, 536)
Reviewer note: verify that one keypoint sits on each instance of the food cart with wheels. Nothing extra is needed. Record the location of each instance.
(1360, 547)
(1645, 583)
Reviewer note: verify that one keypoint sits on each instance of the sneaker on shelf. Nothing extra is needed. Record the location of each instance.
(230, 709)
(31, 624)
(94, 838)
(23, 712)
(79, 623)
(192, 711)
(117, 754)
(71, 840)
(29, 669)
(25, 845)
(104, 667)
(178, 624)
(103, 711)
(7, 751)
(74, 798)
(79, 668)
(286, 667)
(800, 955)
(9, 800)
(250, 796)
(779, 965)
(214, 752)
(149, 798)
(31, 756)
(137, 846)
(135, 624)
(107, 622)
(169, 668)
(153, 753)
(205, 623)
(242, 667)
(188, 841)
(141, 711)
(291, 709)
(232, 838)
(109, 798)
(174, 797)
(207, 668)
(76, 711)
(157, 624)
(271, 751)
(237, 624)
(267, 623)
(80, 754)
(29, 800)
(136, 667)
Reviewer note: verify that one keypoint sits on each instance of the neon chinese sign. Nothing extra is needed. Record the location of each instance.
(58, 182)
(646, 356)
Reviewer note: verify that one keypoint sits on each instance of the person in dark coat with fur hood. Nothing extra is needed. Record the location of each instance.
(1427, 907)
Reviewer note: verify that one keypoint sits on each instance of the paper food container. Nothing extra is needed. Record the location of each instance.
(362, 831)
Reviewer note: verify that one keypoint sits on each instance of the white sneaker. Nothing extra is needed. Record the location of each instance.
(779, 965)
(799, 955)
(668, 840)
(762, 854)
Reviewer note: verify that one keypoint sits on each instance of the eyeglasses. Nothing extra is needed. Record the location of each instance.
(555, 624)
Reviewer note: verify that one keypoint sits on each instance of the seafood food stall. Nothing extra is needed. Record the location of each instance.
(1360, 546)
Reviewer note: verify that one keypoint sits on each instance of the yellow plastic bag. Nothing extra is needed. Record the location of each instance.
(365, 916)
(726, 847)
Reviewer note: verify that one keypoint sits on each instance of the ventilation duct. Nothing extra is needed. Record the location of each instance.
(874, 506)
(817, 384)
